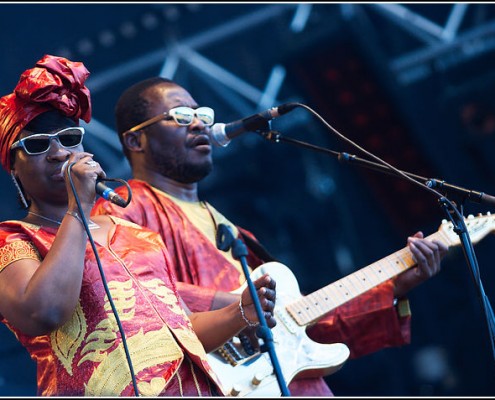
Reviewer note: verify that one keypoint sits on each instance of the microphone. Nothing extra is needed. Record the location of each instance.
(104, 191)
(109, 194)
(221, 134)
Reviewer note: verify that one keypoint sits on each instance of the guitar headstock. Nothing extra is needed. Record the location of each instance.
(478, 227)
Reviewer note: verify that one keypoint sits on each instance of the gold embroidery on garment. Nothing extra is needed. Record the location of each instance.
(68, 338)
(104, 336)
(190, 341)
(16, 251)
(186, 336)
(152, 388)
(179, 381)
(193, 373)
(147, 350)
(125, 222)
(99, 341)
(166, 296)
(123, 296)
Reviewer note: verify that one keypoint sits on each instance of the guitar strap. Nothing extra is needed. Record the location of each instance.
(257, 248)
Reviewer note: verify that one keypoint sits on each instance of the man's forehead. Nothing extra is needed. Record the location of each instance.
(173, 96)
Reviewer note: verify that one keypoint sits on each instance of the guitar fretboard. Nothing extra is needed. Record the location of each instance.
(312, 307)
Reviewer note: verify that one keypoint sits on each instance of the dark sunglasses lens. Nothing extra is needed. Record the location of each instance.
(38, 145)
(70, 139)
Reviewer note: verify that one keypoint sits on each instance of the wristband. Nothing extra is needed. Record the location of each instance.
(76, 216)
(241, 309)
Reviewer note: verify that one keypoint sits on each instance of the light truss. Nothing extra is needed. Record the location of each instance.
(441, 46)
(187, 52)
(445, 46)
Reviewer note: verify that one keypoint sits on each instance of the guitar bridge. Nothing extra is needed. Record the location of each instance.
(237, 351)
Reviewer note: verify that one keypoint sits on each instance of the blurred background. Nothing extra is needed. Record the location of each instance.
(411, 83)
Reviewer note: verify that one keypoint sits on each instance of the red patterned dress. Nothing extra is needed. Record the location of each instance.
(85, 357)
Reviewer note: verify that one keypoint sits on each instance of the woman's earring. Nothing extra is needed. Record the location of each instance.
(19, 190)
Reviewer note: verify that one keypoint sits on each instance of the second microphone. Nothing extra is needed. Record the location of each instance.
(221, 134)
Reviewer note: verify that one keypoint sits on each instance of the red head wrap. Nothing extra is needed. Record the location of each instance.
(55, 83)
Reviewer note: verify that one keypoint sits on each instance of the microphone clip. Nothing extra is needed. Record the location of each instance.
(271, 135)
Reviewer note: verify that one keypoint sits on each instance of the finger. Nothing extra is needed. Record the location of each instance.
(442, 247)
(425, 267)
(418, 255)
(428, 259)
(93, 165)
(271, 321)
(265, 280)
(433, 251)
(267, 305)
(272, 284)
(418, 235)
(427, 247)
(437, 255)
(267, 293)
(81, 157)
(74, 158)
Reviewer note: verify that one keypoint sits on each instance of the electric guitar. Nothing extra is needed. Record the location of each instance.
(243, 373)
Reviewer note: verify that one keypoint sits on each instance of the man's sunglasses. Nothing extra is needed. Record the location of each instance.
(183, 116)
(40, 142)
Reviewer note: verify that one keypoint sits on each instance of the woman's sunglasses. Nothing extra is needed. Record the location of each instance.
(40, 142)
(183, 116)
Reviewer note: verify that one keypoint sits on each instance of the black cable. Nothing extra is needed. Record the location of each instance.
(104, 281)
(391, 167)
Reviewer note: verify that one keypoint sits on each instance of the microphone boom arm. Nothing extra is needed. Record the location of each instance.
(474, 196)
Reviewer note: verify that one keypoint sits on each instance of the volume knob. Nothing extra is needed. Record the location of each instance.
(257, 378)
(236, 389)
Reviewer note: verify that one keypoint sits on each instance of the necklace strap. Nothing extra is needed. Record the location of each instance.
(46, 218)
(91, 224)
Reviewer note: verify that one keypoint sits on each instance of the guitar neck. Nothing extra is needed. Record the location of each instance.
(312, 307)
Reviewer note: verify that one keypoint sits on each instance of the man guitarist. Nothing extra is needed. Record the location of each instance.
(163, 133)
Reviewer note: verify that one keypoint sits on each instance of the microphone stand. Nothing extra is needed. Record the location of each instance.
(452, 213)
(225, 240)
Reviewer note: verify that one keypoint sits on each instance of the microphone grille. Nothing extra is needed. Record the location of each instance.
(218, 136)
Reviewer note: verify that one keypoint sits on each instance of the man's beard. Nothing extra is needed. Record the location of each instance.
(180, 170)
(193, 173)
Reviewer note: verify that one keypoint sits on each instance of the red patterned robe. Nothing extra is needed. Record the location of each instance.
(85, 357)
(365, 324)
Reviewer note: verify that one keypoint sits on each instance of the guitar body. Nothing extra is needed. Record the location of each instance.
(298, 355)
(251, 375)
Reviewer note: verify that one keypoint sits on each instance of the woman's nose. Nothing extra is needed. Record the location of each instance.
(57, 150)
